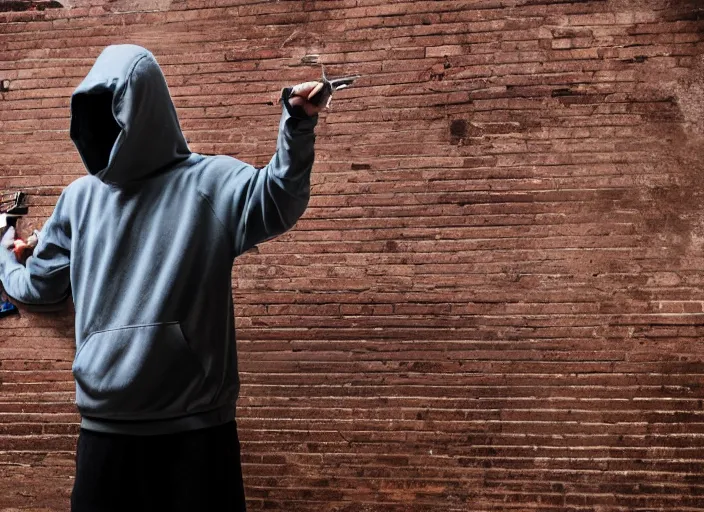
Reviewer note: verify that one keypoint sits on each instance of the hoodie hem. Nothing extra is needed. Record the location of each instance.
(206, 419)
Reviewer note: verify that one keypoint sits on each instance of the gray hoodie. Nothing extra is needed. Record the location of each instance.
(145, 245)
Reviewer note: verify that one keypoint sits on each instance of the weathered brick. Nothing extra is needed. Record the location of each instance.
(494, 299)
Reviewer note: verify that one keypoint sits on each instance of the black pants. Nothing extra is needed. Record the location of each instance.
(193, 471)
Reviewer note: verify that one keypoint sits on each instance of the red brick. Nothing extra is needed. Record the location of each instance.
(493, 301)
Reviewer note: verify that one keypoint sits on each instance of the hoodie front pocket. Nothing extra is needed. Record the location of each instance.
(138, 372)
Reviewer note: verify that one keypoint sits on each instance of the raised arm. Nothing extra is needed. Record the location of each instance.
(259, 204)
(46, 278)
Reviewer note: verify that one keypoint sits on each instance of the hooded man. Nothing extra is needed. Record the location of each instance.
(145, 245)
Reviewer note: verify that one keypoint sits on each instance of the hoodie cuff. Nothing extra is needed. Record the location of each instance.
(8, 263)
(7, 257)
(299, 120)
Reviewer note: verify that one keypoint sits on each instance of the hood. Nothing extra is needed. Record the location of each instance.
(123, 121)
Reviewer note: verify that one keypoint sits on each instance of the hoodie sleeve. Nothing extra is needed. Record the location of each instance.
(259, 204)
(46, 278)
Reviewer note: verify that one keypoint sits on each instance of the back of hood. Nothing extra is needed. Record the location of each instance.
(123, 121)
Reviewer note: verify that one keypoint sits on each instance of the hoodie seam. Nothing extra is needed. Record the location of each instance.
(133, 326)
(212, 210)
(118, 99)
(124, 88)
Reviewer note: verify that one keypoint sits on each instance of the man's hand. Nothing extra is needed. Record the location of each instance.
(299, 96)
(19, 247)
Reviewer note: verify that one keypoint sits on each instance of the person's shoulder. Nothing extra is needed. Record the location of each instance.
(217, 174)
(81, 190)
(87, 181)
(212, 162)
(79, 185)
(204, 164)
(217, 167)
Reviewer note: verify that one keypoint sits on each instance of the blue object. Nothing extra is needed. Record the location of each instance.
(7, 308)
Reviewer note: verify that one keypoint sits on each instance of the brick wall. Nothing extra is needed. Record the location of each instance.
(494, 301)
